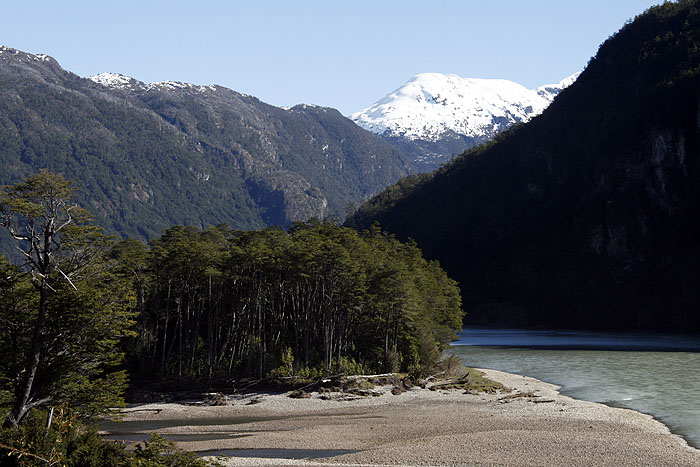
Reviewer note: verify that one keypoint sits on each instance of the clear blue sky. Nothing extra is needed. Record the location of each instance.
(342, 54)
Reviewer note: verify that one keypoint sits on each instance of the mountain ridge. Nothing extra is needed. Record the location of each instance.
(148, 156)
(585, 216)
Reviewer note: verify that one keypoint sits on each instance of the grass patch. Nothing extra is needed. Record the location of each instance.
(471, 381)
(477, 382)
(359, 383)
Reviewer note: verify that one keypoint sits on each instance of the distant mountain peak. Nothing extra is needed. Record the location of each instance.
(430, 105)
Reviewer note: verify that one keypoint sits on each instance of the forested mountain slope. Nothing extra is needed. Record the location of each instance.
(586, 216)
(148, 156)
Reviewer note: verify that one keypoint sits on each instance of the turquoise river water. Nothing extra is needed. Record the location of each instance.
(652, 373)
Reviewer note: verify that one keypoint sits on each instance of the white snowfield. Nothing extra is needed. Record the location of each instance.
(431, 104)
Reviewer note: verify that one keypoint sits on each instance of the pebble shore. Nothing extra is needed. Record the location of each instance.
(533, 425)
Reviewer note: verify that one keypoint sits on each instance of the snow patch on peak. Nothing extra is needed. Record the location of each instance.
(170, 84)
(307, 106)
(115, 80)
(4, 48)
(302, 107)
(119, 81)
(19, 55)
(432, 104)
(175, 85)
(550, 91)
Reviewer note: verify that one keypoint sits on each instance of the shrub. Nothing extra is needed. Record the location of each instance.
(69, 443)
(348, 366)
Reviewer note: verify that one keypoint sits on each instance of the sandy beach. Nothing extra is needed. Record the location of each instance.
(532, 425)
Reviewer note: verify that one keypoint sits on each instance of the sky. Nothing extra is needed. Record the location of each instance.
(336, 53)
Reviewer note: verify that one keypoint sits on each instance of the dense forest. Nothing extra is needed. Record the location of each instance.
(84, 313)
(586, 216)
(219, 303)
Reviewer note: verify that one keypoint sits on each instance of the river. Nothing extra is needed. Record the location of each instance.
(652, 373)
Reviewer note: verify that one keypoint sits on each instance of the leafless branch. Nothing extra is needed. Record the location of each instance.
(67, 278)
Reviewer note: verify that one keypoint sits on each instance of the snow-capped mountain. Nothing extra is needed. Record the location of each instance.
(446, 114)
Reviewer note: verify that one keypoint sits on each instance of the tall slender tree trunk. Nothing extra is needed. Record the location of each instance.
(165, 333)
(155, 338)
(22, 402)
(179, 337)
(211, 345)
(197, 315)
(387, 326)
(261, 341)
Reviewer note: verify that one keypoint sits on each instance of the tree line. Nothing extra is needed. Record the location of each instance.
(82, 312)
(219, 303)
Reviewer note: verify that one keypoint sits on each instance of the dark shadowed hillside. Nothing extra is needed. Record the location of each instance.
(586, 216)
(148, 156)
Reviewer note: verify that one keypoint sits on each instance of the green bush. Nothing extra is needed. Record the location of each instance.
(348, 366)
(69, 443)
(159, 451)
(66, 442)
(309, 372)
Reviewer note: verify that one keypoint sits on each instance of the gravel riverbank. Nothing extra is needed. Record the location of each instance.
(532, 425)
